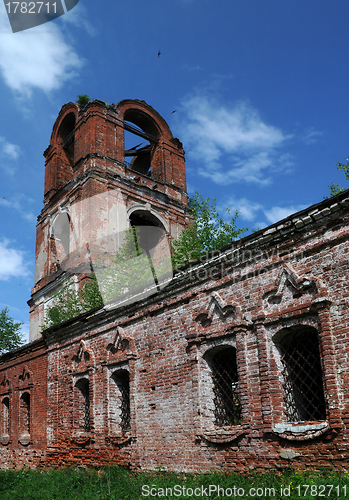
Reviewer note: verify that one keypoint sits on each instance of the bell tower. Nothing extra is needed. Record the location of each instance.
(107, 167)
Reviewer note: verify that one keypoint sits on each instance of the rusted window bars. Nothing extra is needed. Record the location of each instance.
(87, 424)
(6, 416)
(122, 380)
(302, 374)
(84, 387)
(125, 402)
(225, 386)
(26, 411)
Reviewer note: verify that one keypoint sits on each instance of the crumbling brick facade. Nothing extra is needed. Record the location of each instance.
(92, 193)
(23, 406)
(240, 362)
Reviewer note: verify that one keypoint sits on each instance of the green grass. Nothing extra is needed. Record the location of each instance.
(120, 484)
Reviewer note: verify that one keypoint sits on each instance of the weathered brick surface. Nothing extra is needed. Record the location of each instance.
(168, 336)
(246, 297)
(24, 371)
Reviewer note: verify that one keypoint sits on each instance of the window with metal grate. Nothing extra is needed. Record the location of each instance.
(82, 404)
(25, 412)
(302, 375)
(5, 417)
(226, 388)
(122, 381)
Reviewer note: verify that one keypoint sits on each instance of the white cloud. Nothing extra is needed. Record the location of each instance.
(11, 262)
(8, 153)
(311, 135)
(16, 203)
(9, 150)
(231, 142)
(37, 58)
(275, 214)
(77, 17)
(25, 332)
(250, 210)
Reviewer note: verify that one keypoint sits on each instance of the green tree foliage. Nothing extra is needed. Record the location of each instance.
(206, 233)
(131, 271)
(343, 167)
(10, 337)
(82, 100)
(69, 302)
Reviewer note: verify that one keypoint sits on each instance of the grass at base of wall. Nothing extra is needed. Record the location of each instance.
(121, 484)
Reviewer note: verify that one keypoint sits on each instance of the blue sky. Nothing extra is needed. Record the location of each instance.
(260, 90)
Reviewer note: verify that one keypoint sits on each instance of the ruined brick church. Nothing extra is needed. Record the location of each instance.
(238, 361)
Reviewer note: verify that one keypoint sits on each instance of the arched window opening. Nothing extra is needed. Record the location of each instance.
(302, 375)
(5, 417)
(82, 405)
(227, 407)
(120, 418)
(153, 230)
(150, 237)
(25, 413)
(61, 233)
(138, 125)
(66, 134)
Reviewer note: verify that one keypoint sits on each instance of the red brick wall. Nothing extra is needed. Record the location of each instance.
(268, 282)
(24, 372)
(293, 273)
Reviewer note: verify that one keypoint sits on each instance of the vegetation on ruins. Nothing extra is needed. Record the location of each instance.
(82, 100)
(130, 270)
(10, 336)
(343, 167)
(206, 233)
(115, 277)
(70, 302)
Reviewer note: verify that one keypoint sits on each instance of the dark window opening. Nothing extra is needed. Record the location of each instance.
(148, 228)
(5, 424)
(302, 374)
(66, 135)
(82, 404)
(122, 380)
(141, 138)
(138, 156)
(25, 412)
(226, 389)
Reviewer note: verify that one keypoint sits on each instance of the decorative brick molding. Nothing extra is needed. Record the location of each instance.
(5, 384)
(301, 432)
(83, 360)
